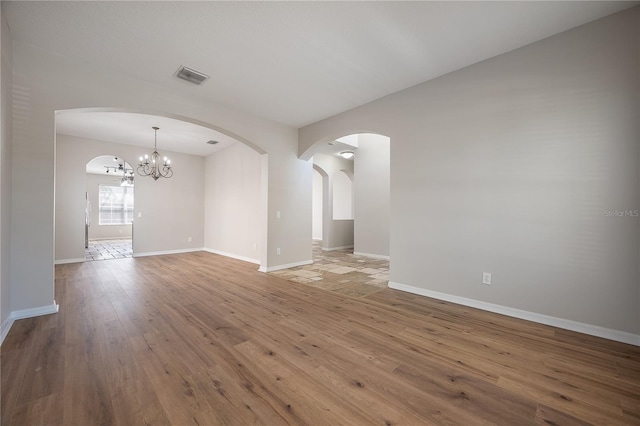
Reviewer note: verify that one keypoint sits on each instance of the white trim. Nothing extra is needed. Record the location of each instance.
(593, 330)
(26, 313)
(373, 256)
(6, 326)
(233, 256)
(287, 266)
(159, 253)
(337, 248)
(65, 261)
(316, 239)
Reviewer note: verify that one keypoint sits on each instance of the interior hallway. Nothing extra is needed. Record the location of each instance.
(340, 271)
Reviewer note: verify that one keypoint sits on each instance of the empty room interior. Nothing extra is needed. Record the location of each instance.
(320, 213)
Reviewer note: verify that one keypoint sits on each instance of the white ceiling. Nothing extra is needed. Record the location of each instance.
(292, 62)
(136, 129)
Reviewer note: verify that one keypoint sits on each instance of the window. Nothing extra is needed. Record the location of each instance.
(116, 205)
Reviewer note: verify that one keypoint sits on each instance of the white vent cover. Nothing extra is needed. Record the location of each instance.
(190, 75)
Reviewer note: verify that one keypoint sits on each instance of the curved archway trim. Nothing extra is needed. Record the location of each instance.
(169, 115)
(307, 153)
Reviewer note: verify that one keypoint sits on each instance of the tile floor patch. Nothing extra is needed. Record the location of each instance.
(108, 249)
(371, 271)
(340, 271)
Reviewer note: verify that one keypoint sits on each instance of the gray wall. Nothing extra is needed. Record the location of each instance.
(6, 117)
(233, 185)
(317, 194)
(510, 166)
(371, 195)
(335, 233)
(172, 209)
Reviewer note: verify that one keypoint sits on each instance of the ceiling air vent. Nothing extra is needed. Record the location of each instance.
(192, 76)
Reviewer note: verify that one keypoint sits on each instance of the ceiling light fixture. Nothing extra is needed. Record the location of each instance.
(347, 155)
(127, 174)
(150, 165)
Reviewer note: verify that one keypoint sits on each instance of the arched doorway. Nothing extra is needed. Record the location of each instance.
(169, 213)
(110, 207)
(369, 174)
(337, 265)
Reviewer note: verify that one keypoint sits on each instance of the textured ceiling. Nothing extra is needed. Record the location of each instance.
(292, 62)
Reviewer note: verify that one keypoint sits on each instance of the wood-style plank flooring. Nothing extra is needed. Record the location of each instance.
(199, 339)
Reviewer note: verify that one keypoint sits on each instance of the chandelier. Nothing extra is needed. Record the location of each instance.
(150, 165)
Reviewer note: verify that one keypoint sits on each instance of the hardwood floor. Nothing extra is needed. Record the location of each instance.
(199, 339)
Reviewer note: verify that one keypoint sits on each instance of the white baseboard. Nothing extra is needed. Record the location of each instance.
(593, 330)
(287, 266)
(337, 248)
(6, 326)
(65, 261)
(233, 256)
(373, 256)
(26, 313)
(159, 253)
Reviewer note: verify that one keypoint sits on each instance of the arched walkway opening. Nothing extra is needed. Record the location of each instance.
(109, 212)
(204, 205)
(359, 191)
(353, 257)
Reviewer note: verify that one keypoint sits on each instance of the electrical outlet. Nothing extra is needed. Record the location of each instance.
(278, 214)
(486, 278)
(255, 246)
(189, 239)
(278, 251)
